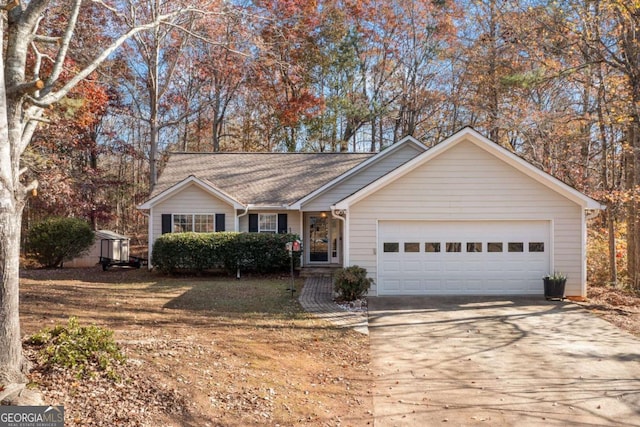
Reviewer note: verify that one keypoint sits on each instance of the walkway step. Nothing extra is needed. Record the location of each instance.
(317, 298)
(317, 271)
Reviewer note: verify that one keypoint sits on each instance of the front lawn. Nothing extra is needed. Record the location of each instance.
(210, 351)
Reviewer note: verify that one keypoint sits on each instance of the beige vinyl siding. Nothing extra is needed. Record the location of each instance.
(467, 183)
(191, 200)
(293, 220)
(363, 177)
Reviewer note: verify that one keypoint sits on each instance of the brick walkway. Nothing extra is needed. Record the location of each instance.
(317, 298)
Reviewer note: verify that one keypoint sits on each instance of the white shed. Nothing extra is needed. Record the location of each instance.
(107, 244)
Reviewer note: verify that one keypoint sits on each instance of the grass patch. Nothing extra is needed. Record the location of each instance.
(231, 297)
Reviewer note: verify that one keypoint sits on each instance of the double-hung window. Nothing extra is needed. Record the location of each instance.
(200, 223)
(268, 223)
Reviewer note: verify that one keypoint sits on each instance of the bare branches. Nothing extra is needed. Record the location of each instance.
(46, 39)
(51, 97)
(64, 46)
(11, 5)
(27, 87)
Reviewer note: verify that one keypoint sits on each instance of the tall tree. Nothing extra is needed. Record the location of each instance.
(288, 51)
(153, 57)
(625, 57)
(27, 90)
(220, 63)
(63, 157)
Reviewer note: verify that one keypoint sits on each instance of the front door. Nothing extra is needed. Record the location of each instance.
(324, 238)
(318, 226)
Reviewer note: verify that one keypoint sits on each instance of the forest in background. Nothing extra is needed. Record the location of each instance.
(557, 82)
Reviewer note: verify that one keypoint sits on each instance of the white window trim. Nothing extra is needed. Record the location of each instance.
(260, 230)
(193, 221)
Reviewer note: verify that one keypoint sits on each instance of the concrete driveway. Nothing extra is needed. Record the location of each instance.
(500, 362)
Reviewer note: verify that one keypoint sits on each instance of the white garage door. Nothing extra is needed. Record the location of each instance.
(462, 257)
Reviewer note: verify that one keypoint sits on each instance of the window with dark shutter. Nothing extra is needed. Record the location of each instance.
(253, 223)
(220, 224)
(166, 223)
(282, 224)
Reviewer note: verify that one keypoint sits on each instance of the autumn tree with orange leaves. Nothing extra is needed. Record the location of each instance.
(39, 43)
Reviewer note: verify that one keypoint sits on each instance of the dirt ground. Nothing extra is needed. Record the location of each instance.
(616, 306)
(201, 353)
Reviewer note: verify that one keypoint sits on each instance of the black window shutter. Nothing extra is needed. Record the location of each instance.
(219, 222)
(166, 223)
(253, 223)
(282, 224)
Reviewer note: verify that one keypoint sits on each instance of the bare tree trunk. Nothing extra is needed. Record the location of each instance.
(613, 267)
(492, 96)
(633, 206)
(11, 359)
(11, 207)
(19, 117)
(372, 146)
(154, 129)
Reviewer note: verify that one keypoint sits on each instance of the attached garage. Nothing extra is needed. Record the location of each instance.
(462, 257)
(467, 217)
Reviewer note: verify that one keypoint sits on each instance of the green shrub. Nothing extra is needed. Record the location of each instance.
(351, 283)
(55, 240)
(84, 349)
(197, 252)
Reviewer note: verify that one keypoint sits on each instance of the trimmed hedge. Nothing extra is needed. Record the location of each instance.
(197, 252)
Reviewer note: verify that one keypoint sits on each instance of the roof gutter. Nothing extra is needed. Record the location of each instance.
(269, 207)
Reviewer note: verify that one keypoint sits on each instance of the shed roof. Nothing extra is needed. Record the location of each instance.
(110, 235)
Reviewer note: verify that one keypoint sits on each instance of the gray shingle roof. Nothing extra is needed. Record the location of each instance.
(268, 179)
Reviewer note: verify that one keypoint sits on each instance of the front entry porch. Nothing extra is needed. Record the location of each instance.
(323, 240)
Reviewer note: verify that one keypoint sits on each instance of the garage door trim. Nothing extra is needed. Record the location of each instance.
(470, 274)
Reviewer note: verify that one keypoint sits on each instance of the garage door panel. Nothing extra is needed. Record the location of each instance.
(432, 267)
(391, 266)
(452, 267)
(472, 268)
(392, 285)
(412, 266)
(433, 285)
(475, 285)
(412, 284)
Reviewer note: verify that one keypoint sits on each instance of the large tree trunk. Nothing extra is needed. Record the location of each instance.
(19, 117)
(11, 359)
(11, 206)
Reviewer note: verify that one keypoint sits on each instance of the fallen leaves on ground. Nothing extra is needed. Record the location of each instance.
(618, 306)
(187, 364)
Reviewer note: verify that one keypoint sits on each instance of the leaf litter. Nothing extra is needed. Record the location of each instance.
(192, 366)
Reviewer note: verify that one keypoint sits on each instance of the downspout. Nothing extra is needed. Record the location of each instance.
(246, 211)
(335, 213)
(149, 233)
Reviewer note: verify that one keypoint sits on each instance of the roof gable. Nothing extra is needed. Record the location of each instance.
(191, 180)
(469, 134)
(389, 151)
(259, 179)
